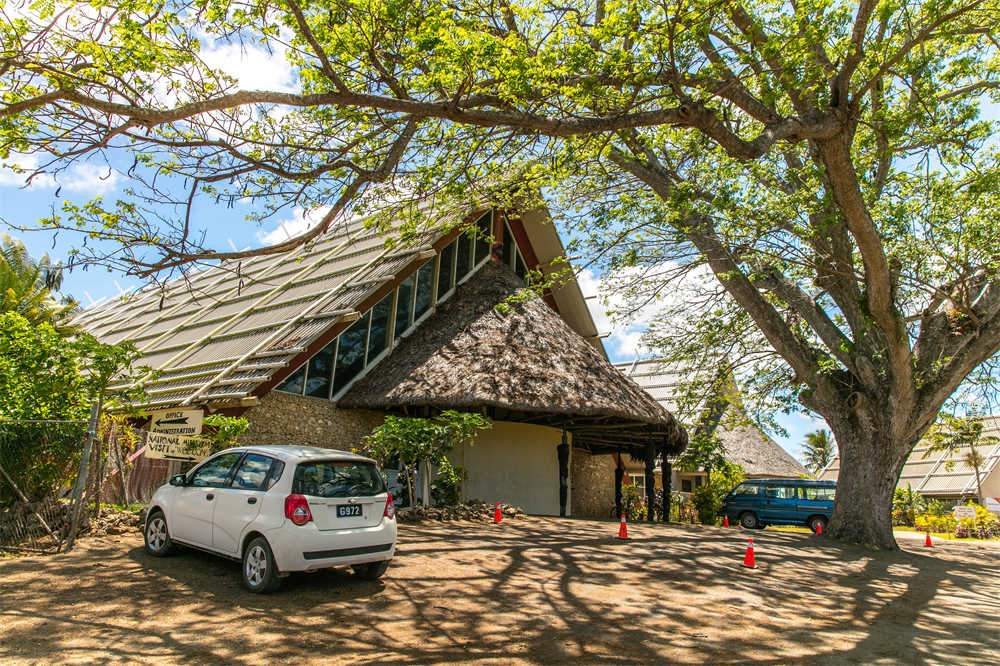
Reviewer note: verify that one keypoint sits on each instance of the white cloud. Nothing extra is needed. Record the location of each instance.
(88, 179)
(253, 67)
(624, 336)
(300, 222)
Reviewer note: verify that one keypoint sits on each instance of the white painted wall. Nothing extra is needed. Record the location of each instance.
(515, 463)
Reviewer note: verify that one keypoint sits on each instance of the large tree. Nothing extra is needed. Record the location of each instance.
(826, 161)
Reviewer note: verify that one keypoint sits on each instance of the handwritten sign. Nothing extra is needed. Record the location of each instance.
(175, 447)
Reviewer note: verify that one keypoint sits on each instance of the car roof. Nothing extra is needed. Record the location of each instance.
(291, 453)
(795, 482)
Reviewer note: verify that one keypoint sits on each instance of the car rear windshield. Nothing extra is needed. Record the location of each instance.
(337, 478)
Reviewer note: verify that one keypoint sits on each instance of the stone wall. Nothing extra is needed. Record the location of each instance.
(284, 418)
(593, 482)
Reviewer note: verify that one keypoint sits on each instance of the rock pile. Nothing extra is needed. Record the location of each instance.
(115, 521)
(473, 510)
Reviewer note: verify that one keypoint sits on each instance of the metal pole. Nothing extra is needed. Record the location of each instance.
(81, 477)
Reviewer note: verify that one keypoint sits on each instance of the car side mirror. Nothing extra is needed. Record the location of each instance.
(178, 480)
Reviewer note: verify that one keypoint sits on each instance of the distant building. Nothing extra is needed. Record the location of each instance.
(759, 455)
(943, 475)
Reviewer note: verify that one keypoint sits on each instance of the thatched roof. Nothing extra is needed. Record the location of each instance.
(525, 364)
(758, 454)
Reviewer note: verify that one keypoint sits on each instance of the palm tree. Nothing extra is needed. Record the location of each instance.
(818, 450)
(954, 433)
(29, 287)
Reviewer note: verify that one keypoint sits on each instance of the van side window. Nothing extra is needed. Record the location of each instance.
(747, 489)
(820, 494)
(780, 492)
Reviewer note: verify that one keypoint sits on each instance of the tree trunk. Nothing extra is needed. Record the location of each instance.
(870, 464)
(979, 486)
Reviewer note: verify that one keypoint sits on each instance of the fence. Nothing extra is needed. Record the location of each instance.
(42, 506)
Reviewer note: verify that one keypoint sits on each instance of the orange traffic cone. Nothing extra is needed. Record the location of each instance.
(819, 528)
(725, 521)
(497, 516)
(927, 541)
(622, 530)
(748, 559)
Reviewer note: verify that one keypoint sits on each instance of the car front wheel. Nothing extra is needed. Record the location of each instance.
(260, 574)
(372, 570)
(749, 521)
(157, 536)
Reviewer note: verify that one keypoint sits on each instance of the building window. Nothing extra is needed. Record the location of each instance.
(404, 305)
(294, 382)
(378, 336)
(425, 290)
(320, 369)
(446, 272)
(484, 237)
(686, 485)
(638, 480)
(331, 370)
(351, 353)
(465, 253)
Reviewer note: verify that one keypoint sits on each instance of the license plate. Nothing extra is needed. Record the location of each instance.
(348, 510)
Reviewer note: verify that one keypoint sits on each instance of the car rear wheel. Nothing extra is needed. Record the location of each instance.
(157, 536)
(815, 522)
(260, 574)
(372, 570)
(749, 520)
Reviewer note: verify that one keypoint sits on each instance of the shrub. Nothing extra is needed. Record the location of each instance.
(633, 502)
(906, 504)
(927, 522)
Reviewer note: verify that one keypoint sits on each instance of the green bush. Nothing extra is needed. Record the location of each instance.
(446, 489)
(633, 502)
(926, 522)
(906, 504)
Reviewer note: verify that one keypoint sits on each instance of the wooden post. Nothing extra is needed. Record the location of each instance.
(81, 477)
(619, 476)
(650, 481)
(666, 469)
(563, 451)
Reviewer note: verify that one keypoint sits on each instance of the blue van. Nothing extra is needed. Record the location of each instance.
(757, 503)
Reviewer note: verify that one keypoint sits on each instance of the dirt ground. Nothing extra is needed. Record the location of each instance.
(536, 590)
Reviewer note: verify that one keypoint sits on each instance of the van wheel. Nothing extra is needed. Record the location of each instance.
(815, 522)
(749, 520)
(371, 570)
(260, 574)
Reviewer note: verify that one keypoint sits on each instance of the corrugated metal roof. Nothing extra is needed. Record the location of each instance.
(941, 472)
(221, 332)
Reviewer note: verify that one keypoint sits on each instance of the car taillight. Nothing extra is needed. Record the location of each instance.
(297, 509)
(390, 508)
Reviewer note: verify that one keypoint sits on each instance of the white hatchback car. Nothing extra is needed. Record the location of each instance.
(279, 509)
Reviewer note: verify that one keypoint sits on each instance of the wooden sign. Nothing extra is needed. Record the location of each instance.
(175, 447)
(186, 422)
(964, 511)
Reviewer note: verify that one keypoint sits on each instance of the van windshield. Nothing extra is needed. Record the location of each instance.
(746, 489)
(337, 478)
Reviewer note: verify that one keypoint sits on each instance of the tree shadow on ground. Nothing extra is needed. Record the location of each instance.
(544, 590)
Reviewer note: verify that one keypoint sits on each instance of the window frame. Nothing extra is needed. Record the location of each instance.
(413, 322)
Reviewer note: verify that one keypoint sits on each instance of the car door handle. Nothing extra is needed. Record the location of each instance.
(251, 500)
(210, 497)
